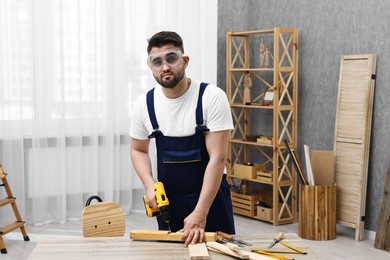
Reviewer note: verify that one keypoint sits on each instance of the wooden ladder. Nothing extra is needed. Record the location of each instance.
(19, 223)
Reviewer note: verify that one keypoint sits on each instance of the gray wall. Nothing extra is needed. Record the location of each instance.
(327, 30)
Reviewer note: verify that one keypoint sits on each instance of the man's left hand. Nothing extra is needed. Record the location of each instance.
(193, 230)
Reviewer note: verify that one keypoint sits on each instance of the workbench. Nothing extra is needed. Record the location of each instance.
(125, 248)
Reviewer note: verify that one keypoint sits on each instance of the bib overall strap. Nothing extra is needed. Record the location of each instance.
(152, 114)
(199, 109)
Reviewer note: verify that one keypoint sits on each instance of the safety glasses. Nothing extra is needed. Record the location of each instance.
(172, 57)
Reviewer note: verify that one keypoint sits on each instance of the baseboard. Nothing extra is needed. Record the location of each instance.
(368, 234)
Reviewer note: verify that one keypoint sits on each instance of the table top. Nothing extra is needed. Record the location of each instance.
(125, 248)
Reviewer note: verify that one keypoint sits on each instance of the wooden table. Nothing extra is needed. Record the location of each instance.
(124, 248)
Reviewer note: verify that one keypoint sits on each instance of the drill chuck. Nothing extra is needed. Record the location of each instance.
(164, 211)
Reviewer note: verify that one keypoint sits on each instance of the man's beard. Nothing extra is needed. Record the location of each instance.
(171, 83)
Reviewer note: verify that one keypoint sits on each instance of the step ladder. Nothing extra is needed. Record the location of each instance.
(19, 223)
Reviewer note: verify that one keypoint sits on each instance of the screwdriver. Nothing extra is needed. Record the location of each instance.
(277, 238)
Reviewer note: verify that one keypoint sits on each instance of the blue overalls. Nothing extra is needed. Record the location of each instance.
(181, 164)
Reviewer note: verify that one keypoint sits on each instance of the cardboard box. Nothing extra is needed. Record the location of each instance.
(243, 171)
(323, 167)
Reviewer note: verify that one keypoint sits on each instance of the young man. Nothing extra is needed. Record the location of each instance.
(191, 122)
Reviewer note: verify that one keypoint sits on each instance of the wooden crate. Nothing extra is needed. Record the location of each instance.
(265, 176)
(244, 204)
(264, 213)
(265, 139)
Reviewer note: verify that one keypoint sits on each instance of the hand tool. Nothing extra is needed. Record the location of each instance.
(277, 238)
(273, 252)
(297, 250)
(280, 257)
(162, 204)
(223, 240)
(229, 238)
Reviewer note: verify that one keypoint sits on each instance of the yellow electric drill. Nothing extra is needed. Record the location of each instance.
(162, 204)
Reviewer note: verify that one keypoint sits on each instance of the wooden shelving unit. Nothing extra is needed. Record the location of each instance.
(264, 111)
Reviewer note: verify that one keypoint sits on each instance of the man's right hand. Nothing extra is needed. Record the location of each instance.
(151, 197)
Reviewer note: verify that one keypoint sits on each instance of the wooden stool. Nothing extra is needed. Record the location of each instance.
(103, 219)
(19, 223)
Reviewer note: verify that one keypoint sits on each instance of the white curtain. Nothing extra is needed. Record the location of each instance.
(69, 72)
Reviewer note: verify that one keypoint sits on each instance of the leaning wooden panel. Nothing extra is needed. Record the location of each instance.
(382, 238)
(352, 138)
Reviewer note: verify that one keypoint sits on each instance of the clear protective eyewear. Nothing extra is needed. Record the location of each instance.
(171, 57)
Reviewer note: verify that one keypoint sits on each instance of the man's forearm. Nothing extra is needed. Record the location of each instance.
(142, 165)
(139, 152)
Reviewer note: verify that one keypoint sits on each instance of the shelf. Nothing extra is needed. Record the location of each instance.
(239, 105)
(281, 69)
(239, 141)
(250, 69)
(258, 62)
(281, 107)
(281, 183)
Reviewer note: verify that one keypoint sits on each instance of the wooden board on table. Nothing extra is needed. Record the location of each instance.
(198, 251)
(352, 138)
(224, 249)
(164, 235)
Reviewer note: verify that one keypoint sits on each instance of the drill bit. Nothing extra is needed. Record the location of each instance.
(169, 228)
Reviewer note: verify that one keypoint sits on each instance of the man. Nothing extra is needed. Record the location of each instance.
(191, 139)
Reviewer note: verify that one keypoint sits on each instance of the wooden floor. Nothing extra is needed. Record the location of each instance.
(343, 247)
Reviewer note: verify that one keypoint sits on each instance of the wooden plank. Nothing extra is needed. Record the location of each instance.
(223, 249)
(382, 238)
(352, 138)
(234, 247)
(198, 251)
(164, 235)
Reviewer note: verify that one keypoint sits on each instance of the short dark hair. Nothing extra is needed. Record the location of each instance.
(165, 37)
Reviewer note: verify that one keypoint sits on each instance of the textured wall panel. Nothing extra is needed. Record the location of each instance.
(327, 30)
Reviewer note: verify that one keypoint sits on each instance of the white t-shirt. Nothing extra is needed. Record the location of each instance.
(176, 117)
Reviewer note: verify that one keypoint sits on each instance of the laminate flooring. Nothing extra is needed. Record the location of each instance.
(343, 247)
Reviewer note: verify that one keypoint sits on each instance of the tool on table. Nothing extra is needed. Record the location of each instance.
(162, 204)
(229, 238)
(273, 252)
(223, 240)
(296, 250)
(277, 238)
(280, 257)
